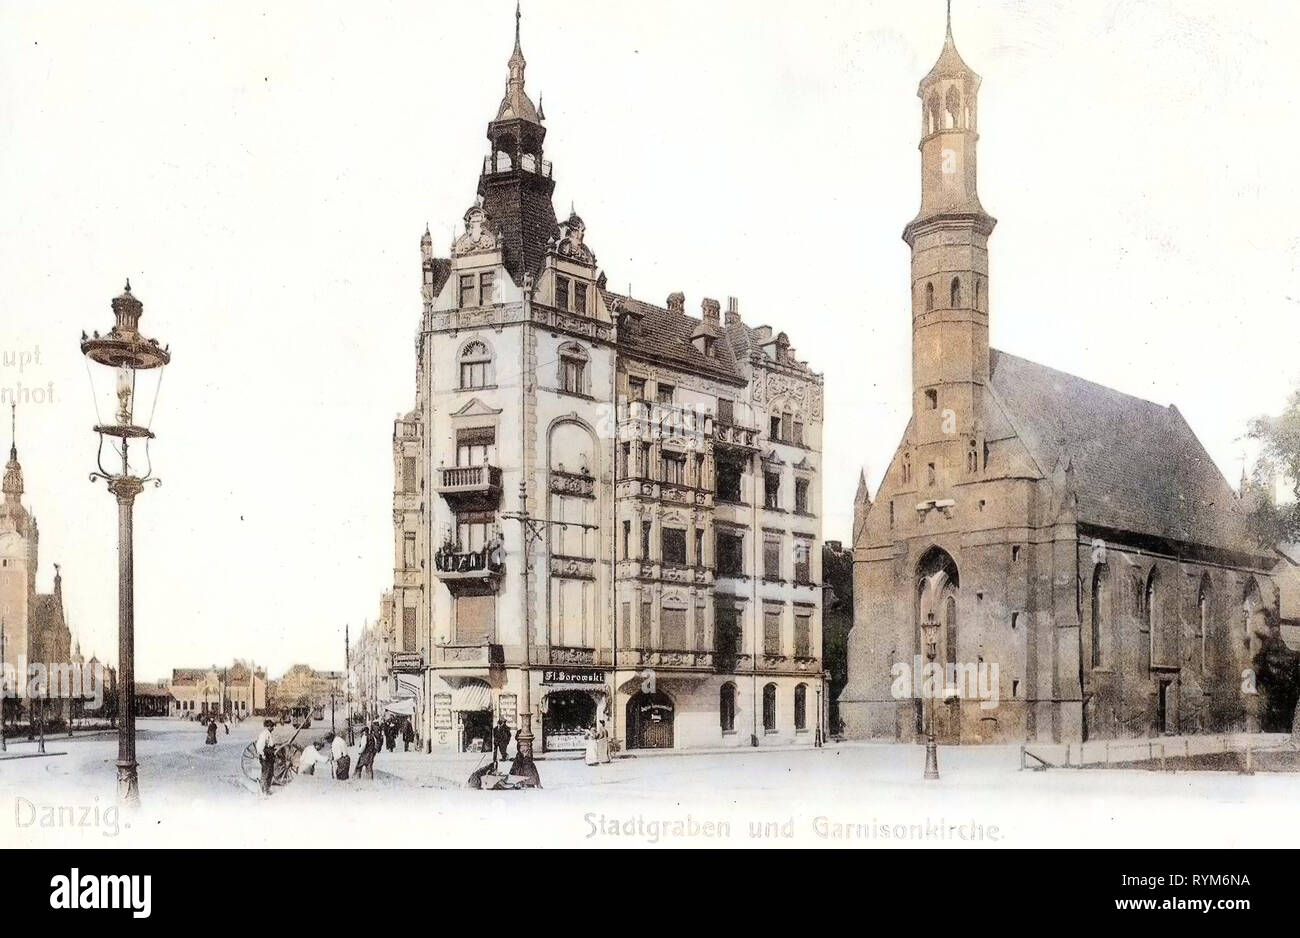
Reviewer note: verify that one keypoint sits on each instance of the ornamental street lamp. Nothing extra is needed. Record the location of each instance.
(531, 529)
(931, 630)
(137, 363)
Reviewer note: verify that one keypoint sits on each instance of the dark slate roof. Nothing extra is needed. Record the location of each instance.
(441, 272)
(47, 611)
(1137, 466)
(188, 675)
(664, 337)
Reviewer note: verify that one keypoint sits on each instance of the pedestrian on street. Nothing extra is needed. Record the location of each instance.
(390, 733)
(212, 733)
(310, 757)
(501, 738)
(371, 743)
(265, 754)
(339, 756)
(408, 735)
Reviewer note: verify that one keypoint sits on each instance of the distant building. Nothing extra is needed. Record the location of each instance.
(302, 690)
(239, 690)
(374, 683)
(35, 629)
(153, 700)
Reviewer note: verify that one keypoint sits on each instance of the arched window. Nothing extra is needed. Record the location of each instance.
(573, 368)
(475, 365)
(801, 707)
(972, 458)
(727, 707)
(932, 112)
(1151, 617)
(929, 297)
(950, 630)
(953, 109)
(769, 708)
(1203, 622)
(1099, 611)
(954, 294)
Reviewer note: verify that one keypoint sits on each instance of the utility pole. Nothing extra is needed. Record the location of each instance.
(531, 530)
(347, 665)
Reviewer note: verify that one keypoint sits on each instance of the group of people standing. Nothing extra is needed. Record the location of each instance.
(334, 752)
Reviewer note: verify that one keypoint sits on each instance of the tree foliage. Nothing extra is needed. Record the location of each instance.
(1279, 459)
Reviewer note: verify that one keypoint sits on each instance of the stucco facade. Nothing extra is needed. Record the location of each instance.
(605, 419)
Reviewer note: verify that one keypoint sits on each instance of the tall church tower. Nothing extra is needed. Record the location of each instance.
(516, 185)
(950, 292)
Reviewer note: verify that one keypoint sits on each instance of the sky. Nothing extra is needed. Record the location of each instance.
(263, 174)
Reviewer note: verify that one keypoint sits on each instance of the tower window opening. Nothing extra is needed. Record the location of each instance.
(953, 109)
(954, 293)
(929, 297)
(932, 398)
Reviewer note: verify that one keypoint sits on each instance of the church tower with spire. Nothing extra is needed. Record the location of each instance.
(950, 289)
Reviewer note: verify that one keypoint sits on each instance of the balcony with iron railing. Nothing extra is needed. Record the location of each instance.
(463, 570)
(495, 163)
(467, 486)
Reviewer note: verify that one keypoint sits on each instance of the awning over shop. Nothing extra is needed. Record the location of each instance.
(472, 695)
(408, 685)
(402, 707)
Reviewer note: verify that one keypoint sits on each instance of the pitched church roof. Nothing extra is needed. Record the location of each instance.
(1137, 466)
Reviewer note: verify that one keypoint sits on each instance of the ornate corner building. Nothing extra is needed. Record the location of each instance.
(670, 466)
(1086, 564)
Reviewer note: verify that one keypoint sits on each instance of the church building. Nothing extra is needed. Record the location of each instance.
(33, 624)
(1086, 564)
(665, 580)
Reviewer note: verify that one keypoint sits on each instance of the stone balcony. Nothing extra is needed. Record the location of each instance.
(467, 656)
(664, 572)
(468, 486)
(736, 436)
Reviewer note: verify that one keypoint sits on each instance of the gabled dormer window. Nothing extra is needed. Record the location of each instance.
(580, 298)
(561, 292)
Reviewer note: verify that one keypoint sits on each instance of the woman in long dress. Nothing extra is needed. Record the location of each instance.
(591, 757)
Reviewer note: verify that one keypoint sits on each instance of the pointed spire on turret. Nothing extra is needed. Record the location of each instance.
(516, 104)
(13, 478)
(950, 63)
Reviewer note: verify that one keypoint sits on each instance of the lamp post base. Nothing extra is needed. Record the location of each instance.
(931, 760)
(524, 768)
(128, 784)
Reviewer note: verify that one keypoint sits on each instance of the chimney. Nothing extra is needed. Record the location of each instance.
(677, 303)
(733, 311)
(710, 309)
